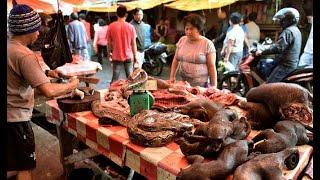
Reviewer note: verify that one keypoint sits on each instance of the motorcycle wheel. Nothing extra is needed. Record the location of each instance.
(154, 68)
(235, 83)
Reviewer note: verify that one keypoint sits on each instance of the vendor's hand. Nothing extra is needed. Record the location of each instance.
(53, 73)
(225, 59)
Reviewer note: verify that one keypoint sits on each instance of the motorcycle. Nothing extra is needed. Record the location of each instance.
(254, 70)
(155, 57)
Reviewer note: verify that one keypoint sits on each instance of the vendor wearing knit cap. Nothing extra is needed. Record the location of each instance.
(23, 75)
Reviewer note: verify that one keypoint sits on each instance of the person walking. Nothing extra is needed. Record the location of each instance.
(122, 48)
(221, 33)
(77, 37)
(253, 33)
(87, 25)
(232, 50)
(138, 25)
(307, 55)
(100, 40)
(24, 74)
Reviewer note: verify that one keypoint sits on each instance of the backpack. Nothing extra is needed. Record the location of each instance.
(55, 49)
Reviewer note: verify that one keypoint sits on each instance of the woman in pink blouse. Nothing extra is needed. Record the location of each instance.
(100, 40)
(195, 55)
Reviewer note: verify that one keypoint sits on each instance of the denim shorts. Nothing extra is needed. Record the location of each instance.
(235, 59)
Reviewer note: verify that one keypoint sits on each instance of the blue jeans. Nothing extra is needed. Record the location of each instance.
(117, 66)
(235, 59)
(279, 73)
(306, 59)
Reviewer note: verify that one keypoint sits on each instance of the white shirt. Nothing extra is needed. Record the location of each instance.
(253, 32)
(96, 27)
(236, 34)
(309, 45)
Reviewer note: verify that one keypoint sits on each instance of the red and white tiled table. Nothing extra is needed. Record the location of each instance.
(153, 163)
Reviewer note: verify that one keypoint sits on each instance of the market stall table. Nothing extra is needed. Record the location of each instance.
(153, 163)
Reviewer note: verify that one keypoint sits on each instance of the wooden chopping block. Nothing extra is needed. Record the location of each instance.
(68, 104)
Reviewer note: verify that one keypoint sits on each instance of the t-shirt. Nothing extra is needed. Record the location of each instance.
(77, 35)
(141, 36)
(23, 74)
(193, 59)
(101, 35)
(253, 32)
(119, 35)
(236, 34)
(147, 30)
(87, 27)
(309, 45)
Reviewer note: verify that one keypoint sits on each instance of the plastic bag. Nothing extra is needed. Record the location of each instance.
(225, 66)
(55, 49)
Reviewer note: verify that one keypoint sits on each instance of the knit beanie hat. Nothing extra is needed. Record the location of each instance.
(23, 20)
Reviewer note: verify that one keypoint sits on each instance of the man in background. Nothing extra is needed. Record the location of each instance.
(253, 33)
(234, 41)
(87, 25)
(221, 33)
(77, 37)
(121, 37)
(307, 56)
(138, 25)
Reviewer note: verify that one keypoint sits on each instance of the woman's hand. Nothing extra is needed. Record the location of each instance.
(172, 80)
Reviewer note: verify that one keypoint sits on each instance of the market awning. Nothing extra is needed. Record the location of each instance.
(195, 5)
(37, 5)
(111, 6)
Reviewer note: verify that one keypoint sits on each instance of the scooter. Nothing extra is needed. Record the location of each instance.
(254, 70)
(155, 57)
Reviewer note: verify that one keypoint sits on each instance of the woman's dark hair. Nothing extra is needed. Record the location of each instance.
(195, 20)
(82, 16)
(121, 11)
(235, 18)
(102, 22)
(252, 16)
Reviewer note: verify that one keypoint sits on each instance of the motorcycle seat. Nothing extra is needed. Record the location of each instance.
(305, 73)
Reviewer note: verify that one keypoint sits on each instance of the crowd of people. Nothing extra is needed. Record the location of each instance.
(124, 43)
